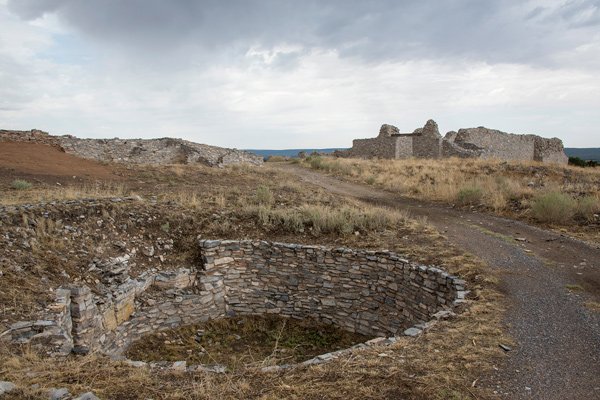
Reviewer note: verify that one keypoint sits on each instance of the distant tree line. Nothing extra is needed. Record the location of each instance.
(582, 163)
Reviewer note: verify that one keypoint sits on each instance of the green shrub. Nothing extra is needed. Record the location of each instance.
(263, 196)
(20, 184)
(316, 162)
(582, 163)
(587, 207)
(577, 161)
(371, 180)
(469, 195)
(553, 207)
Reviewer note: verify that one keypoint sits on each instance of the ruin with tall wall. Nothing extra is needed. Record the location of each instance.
(427, 142)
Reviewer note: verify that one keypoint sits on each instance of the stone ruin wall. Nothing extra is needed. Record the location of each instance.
(138, 151)
(427, 147)
(156, 151)
(374, 293)
(479, 142)
(383, 146)
(34, 135)
(371, 148)
(404, 147)
(550, 151)
(496, 144)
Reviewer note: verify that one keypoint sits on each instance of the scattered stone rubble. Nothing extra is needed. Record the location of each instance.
(479, 142)
(52, 394)
(138, 151)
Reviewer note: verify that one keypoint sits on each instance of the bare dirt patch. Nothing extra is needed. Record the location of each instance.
(38, 159)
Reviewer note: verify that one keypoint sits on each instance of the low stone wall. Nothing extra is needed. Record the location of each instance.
(34, 135)
(373, 293)
(371, 148)
(156, 151)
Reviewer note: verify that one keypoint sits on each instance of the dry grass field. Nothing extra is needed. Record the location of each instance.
(564, 198)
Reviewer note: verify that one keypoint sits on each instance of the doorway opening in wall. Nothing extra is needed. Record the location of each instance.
(238, 342)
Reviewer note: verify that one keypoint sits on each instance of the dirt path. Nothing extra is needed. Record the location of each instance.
(557, 355)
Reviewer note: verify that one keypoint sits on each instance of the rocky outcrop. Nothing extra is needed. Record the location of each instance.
(139, 151)
(478, 142)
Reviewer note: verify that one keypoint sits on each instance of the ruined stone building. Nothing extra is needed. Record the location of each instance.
(479, 142)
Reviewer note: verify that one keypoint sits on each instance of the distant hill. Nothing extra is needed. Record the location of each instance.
(587, 153)
(288, 152)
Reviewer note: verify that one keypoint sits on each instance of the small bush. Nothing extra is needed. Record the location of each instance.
(371, 180)
(263, 196)
(20, 184)
(469, 195)
(275, 159)
(553, 207)
(587, 207)
(316, 162)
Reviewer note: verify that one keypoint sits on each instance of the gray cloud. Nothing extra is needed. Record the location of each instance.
(374, 31)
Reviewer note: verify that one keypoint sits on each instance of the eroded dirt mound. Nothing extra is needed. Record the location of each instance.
(40, 159)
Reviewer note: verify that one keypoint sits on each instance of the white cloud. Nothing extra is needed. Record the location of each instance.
(298, 75)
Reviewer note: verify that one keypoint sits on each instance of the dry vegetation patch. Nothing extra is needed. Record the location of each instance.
(562, 197)
(242, 342)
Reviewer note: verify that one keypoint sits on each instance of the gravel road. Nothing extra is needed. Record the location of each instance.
(557, 352)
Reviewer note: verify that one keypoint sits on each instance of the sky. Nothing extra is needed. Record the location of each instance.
(285, 74)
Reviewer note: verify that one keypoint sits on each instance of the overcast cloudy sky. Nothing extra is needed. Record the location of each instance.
(299, 73)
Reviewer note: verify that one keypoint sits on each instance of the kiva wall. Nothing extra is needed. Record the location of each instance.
(375, 293)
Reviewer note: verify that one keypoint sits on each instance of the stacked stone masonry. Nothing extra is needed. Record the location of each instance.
(374, 293)
(138, 151)
(479, 142)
